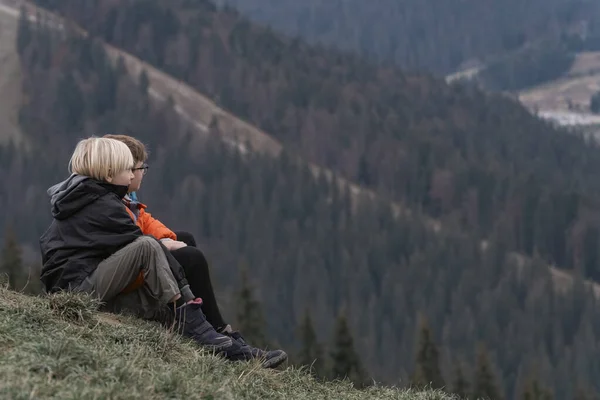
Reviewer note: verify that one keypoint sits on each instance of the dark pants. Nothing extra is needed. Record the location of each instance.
(197, 273)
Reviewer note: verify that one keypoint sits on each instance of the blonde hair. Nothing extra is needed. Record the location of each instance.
(100, 158)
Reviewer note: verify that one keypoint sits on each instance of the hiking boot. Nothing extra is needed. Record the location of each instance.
(241, 351)
(191, 322)
(273, 358)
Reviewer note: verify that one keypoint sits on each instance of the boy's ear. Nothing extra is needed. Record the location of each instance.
(110, 176)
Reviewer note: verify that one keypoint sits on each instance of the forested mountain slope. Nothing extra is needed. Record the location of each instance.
(478, 162)
(509, 45)
(437, 35)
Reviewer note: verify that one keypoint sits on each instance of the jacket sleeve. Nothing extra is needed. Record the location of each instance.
(152, 226)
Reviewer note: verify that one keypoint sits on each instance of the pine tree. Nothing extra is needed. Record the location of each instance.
(144, 82)
(24, 34)
(311, 353)
(363, 170)
(595, 103)
(250, 316)
(484, 384)
(534, 391)
(460, 385)
(70, 106)
(427, 367)
(581, 393)
(345, 362)
(11, 262)
(121, 67)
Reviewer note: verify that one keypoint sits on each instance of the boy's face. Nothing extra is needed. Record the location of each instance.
(123, 178)
(138, 175)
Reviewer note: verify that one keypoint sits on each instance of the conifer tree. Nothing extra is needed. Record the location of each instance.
(595, 103)
(427, 367)
(345, 362)
(250, 317)
(581, 393)
(24, 34)
(311, 353)
(484, 383)
(534, 391)
(11, 262)
(144, 82)
(363, 170)
(460, 386)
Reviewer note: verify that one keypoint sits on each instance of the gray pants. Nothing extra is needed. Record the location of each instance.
(122, 268)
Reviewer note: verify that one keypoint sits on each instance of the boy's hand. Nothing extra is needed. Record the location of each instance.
(174, 244)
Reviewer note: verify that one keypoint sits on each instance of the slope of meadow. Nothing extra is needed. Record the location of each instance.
(60, 347)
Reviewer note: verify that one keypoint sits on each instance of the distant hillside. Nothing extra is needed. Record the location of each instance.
(571, 92)
(60, 346)
(559, 92)
(438, 35)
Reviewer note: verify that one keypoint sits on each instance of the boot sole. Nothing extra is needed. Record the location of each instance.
(275, 361)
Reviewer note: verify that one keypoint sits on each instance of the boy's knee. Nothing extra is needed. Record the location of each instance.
(148, 243)
(188, 256)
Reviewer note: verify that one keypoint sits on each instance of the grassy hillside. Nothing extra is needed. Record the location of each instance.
(571, 92)
(61, 348)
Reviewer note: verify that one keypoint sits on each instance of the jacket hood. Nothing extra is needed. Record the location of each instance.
(76, 192)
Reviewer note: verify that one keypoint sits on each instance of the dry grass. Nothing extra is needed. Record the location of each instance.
(585, 63)
(581, 82)
(60, 347)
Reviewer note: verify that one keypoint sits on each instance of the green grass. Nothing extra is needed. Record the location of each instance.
(60, 347)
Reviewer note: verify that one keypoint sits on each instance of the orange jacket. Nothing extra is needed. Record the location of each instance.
(148, 224)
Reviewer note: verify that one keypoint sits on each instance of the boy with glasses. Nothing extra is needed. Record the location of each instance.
(182, 247)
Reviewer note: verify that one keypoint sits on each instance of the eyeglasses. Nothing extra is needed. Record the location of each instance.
(144, 168)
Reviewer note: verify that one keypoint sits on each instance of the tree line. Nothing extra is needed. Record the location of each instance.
(435, 35)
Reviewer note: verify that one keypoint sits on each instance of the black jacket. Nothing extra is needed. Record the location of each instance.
(90, 223)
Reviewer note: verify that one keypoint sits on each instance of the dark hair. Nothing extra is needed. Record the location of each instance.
(137, 148)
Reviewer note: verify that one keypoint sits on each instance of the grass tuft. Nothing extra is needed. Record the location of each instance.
(74, 307)
(4, 281)
(60, 347)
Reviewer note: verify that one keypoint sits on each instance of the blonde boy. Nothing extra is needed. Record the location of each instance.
(93, 246)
